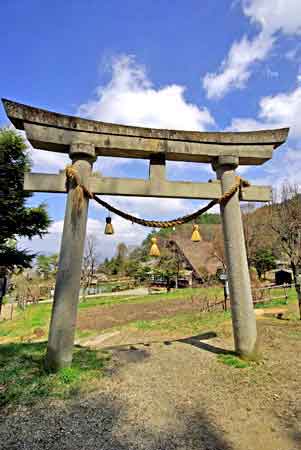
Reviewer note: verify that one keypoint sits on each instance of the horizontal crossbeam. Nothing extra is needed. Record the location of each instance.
(40, 182)
(58, 132)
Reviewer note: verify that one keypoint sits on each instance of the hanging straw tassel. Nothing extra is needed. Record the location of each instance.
(78, 198)
(109, 227)
(196, 237)
(154, 250)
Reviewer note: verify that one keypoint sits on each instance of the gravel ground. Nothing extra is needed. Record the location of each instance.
(177, 396)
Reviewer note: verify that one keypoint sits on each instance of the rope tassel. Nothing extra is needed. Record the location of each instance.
(196, 237)
(78, 198)
(154, 250)
(109, 227)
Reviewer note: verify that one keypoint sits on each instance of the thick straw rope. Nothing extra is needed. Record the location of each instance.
(73, 176)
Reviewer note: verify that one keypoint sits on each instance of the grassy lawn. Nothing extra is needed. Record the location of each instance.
(186, 322)
(178, 294)
(32, 324)
(23, 379)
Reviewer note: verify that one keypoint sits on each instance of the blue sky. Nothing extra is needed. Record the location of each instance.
(207, 65)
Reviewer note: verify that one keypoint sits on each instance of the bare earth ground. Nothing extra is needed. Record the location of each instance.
(176, 394)
(102, 317)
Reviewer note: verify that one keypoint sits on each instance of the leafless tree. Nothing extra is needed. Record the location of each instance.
(257, 230)
(89, 263)
(286, 224)
(218, 251)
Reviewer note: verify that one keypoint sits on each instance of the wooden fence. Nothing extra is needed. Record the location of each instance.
(264, 294)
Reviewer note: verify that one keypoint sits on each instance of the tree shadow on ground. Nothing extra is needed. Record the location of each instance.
(291, 422)
(102, 422)
(195, 341)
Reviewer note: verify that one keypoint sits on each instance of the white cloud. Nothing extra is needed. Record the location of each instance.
(275, 15)
(285, 167)
(47, 162)
(283, 109)
(235, 70)
(131, 235)
(125, 231)
(151, 208)
(245, 124)
(280, 110)
(272, 16)
(130, 98)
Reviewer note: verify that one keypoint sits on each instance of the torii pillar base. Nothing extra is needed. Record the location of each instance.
(66, 295)
(243, 317)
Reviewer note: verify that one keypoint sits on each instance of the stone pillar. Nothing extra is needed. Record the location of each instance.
(66, 295)
(243, 317)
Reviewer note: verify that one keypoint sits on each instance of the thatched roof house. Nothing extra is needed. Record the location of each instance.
(196, 256)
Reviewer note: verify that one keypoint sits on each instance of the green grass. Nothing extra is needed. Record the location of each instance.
(295, 334)
(272, 303)
(292, 299)
(178, 294)
(233, 361)
(25, 323)
(30, 324)
(186, 322)
(23, 379)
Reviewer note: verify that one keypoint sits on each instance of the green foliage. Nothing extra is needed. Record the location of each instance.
(116, 265)
(24, 380)
(47, 265)
(233, 361)
(167, 267)
(69, 375)
(208, 218)
(263, 261)
(17, 219)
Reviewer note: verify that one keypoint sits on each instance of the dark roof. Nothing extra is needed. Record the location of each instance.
(197, 254)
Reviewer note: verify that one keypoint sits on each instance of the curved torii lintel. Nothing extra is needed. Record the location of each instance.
(56, 132)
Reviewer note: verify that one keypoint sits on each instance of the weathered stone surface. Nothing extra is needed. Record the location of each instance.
(53, 131)
(155, 187)
(66, 295)
(243, 317)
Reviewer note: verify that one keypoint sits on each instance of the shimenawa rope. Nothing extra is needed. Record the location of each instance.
(81, 190)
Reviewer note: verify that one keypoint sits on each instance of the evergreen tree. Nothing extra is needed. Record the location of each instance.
(16, 219)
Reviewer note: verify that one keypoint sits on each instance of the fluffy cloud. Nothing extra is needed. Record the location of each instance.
(235, 70)
(130, 98)
(272, 16)
(51, 162)
(285, 167)
(47, 162)
(131, 235)
(151, 208)
(280, 110)
(275, 15)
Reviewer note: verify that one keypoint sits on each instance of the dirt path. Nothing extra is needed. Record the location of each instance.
(177, 396)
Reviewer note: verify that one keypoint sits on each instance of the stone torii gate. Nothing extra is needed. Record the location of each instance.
(84, 140)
